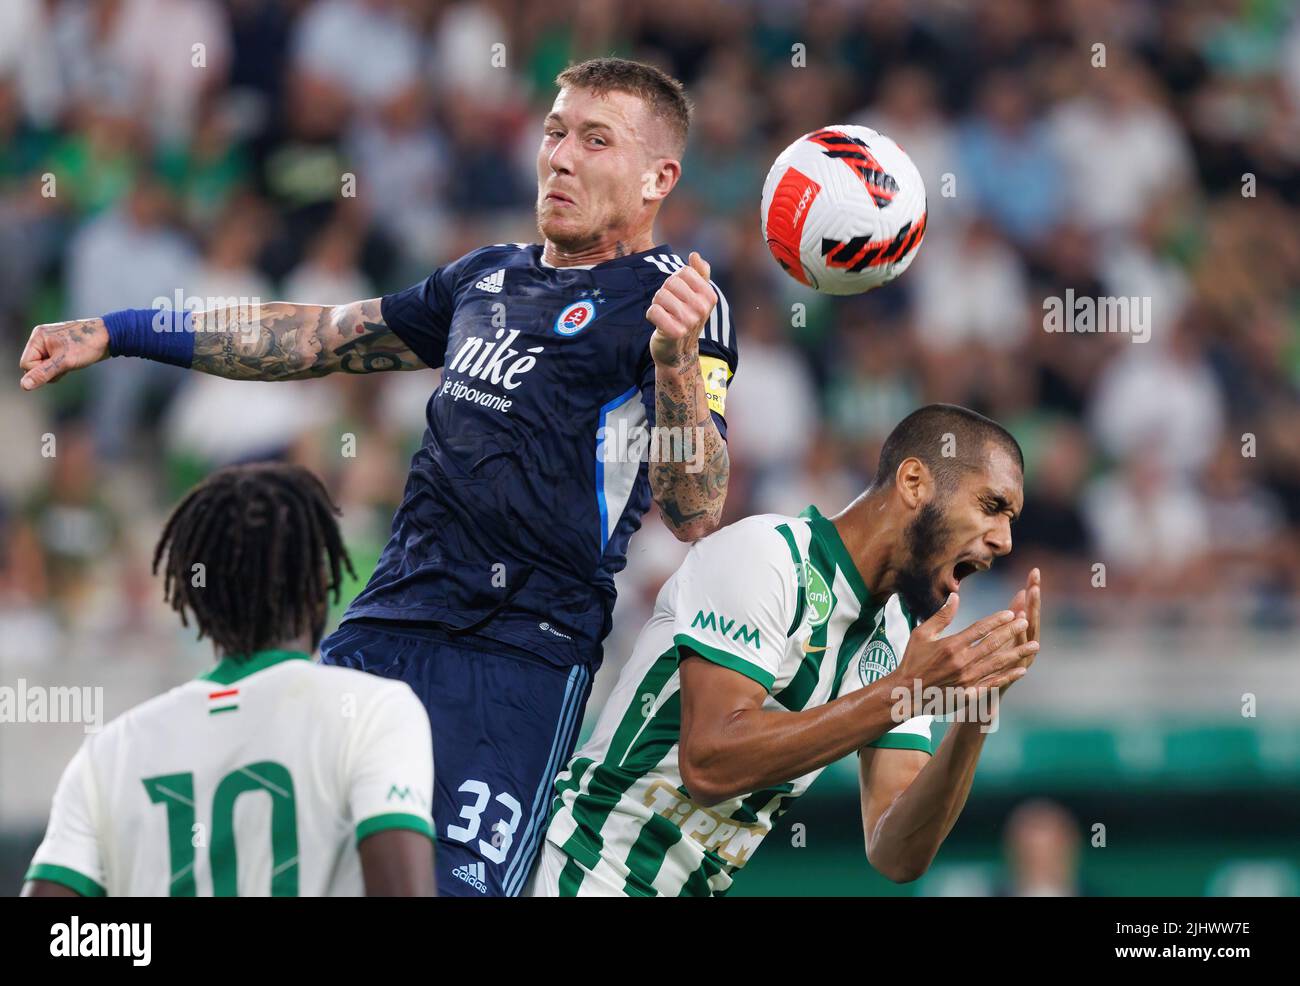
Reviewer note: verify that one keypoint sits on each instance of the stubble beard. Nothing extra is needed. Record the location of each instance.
(924, 538)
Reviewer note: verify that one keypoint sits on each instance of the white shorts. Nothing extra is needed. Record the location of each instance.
(545, 881)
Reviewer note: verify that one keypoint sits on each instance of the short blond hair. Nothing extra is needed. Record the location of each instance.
(659, 90)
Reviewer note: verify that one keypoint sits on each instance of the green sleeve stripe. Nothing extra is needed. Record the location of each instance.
(724, 658)
(394, 820)
(903, 741)
(786, 533)
(74, 881)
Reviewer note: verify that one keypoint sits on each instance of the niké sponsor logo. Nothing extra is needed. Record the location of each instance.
(495, 361)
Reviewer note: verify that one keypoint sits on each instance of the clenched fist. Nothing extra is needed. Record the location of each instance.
(678, 312)
(56, 348)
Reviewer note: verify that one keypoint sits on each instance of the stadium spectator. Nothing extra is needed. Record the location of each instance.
(1140, 170)
(1042, 852)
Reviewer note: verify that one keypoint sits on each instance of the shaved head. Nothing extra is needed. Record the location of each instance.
(951, 440)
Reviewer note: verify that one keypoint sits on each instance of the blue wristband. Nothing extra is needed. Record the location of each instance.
(160, 334)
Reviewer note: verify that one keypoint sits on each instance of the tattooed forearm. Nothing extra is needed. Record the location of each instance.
(282, 341)
(690, 489)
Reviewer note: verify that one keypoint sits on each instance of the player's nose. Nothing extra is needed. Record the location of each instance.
(561, 159)
(999, 538)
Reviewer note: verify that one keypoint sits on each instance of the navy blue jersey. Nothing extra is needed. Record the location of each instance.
(517, 514)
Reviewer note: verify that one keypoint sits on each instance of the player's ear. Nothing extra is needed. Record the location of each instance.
(914, 482)
(660, 179)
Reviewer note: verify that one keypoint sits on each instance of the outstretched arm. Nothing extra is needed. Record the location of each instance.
(294, 342)
(275, 341)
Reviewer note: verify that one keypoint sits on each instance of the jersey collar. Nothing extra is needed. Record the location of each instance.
(232, 669)
(658, 256)
(825, 532)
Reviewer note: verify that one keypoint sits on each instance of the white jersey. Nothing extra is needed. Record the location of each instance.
(260, 778)
(777, 599)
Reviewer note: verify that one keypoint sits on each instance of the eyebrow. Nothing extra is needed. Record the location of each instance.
(584, 125)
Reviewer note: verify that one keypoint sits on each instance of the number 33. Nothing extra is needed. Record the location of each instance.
(505, 831)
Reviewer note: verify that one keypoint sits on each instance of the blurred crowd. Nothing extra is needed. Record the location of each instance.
(333, 150)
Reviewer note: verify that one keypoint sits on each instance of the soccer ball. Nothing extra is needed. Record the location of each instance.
(843, 210)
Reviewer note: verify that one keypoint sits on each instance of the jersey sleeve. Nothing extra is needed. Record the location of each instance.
(421, 315)
(70, 853)
(719, 357)
(914, 733)
(390, 766)
(734, 597)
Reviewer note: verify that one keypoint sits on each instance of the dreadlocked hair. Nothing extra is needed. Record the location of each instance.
(271, 552)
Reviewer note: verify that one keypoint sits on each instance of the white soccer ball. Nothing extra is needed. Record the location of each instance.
(843, 209)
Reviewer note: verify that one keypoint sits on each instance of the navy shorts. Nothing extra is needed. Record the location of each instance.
(504, 725)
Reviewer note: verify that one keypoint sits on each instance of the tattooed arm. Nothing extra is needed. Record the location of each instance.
(280, 341)
(294, 342)
(690, 488)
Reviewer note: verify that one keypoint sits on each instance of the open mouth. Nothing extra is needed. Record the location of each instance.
(959, 571)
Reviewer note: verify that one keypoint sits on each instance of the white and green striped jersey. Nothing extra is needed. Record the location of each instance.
(777, 599)
(260, 778)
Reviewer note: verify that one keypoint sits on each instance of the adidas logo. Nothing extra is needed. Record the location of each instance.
(493, 283)
(473, 873)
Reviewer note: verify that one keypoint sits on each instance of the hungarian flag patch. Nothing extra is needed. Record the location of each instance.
(223, 701)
